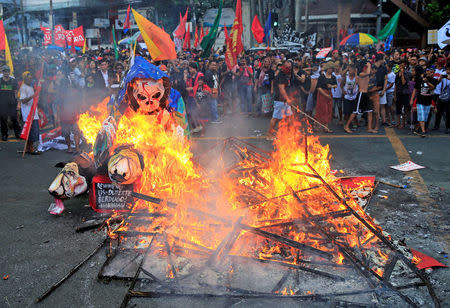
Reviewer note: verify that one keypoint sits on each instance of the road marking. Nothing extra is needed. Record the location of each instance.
(420, 188)
(320, 136)
(13, 140)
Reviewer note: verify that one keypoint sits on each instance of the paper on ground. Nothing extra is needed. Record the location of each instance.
(407, 166)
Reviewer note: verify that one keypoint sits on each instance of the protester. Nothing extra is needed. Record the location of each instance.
(8, 103)
(282, 101)
(443, 105)
(26, 102)
(424, 87)
(324, 107)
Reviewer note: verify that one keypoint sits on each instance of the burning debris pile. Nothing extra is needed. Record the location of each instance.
(238, 221)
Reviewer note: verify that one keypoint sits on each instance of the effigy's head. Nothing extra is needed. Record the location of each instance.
(146, 88)
(147, 95)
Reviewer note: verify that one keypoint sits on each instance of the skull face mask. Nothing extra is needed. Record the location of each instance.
(148, 93)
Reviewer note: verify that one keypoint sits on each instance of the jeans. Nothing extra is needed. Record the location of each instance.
(214, 112)
(246, 98)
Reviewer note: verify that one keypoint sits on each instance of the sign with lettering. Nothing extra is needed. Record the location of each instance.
(107, 197)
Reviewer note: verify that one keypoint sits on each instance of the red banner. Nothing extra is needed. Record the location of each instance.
(60, 36)
(27, 125)
(76, 35)
(47, 36)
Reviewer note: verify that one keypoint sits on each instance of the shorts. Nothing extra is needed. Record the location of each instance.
(383, 100)
(402, 104)
(281, 110)
(364, 103)
(389, 98)
(67, 128)
(349, 106)
(423, 112)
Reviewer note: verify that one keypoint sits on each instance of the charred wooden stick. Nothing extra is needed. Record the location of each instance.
(311, 118)
(303, 173)
(288, 242)
(70, 273)
(227, 243)
(135, 233)
(293, 266)
(390, 267)
(283, 279)
(393, 185)
(285, 195)
(152, 199)
(290, 222)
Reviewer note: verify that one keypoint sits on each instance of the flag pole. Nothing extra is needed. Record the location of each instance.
(33, 111)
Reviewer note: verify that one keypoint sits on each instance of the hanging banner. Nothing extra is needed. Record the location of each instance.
(47, 36)
(77, 35)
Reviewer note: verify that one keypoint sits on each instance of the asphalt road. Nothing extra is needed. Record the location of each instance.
(37, 248)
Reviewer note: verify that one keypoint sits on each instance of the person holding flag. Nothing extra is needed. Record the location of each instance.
(26, 100)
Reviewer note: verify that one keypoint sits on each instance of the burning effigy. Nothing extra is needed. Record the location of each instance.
(228, 222)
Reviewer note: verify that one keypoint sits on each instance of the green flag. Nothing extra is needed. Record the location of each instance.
(209, 40)
(116, 53)
(390, 27)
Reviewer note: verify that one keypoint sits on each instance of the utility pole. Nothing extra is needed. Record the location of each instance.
(379, 13)
(306, 15)
(24, 34)
(50, 22)
(298, 15)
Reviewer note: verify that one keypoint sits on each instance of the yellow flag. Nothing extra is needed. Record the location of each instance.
(8, 56)
(84, 46)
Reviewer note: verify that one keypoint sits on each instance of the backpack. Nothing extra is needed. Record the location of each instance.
(445, 92)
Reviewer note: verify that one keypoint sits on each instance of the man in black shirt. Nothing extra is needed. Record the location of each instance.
(424, 89)
(282, 102)
(8, 103)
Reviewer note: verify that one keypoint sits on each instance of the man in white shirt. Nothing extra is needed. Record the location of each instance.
(26, 101)
(387, 110)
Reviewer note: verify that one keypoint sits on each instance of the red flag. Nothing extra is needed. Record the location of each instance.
(187, 38)
(230, 60)
(207, 31)
(181, 29)
(257, 30)
(202, 35)
(196, 38)
(27, 125)
(126, 23)
(236, 31)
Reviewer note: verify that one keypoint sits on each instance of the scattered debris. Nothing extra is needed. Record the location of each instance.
(6, 277)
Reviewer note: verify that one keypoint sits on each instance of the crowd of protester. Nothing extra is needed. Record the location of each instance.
(352, 88)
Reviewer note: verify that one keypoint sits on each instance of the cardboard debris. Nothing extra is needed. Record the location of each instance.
(407, 166)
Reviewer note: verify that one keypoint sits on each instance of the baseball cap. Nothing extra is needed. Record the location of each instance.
(5, 68)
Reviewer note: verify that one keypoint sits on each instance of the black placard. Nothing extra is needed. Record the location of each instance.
(110, 197)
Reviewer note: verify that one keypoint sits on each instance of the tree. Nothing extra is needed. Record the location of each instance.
(438, 13)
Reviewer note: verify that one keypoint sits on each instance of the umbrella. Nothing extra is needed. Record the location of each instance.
(359, 39)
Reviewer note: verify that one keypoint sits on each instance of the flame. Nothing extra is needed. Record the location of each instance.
(263, 194)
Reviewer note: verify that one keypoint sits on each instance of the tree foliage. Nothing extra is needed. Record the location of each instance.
(438, 13)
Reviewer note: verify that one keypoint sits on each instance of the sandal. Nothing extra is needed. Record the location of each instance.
(348, 130)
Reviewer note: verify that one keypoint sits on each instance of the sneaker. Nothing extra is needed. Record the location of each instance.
(197, 129)
(216, 122)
